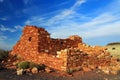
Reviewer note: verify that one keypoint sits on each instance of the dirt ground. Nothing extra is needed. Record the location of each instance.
(7, 74)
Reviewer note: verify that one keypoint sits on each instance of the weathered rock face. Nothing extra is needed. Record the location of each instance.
(68, 54)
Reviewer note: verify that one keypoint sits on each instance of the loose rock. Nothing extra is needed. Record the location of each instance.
(20, 71)
(48, 70)
(34, 70)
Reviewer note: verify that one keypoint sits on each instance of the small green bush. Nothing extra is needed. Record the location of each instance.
(42, 67)
(26, 64)
(0, 66)
(23, 65)
(1, 57)
(3, 54)
(39, 67)
(32, 65)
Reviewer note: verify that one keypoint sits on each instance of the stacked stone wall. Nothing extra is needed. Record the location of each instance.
(69, 54)
(36, 45)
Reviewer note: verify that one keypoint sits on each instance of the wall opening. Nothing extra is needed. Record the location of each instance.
(30, 38)
(61, 43)
(113, 48)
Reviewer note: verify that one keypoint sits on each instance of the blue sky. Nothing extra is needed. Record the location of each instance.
(96, 21)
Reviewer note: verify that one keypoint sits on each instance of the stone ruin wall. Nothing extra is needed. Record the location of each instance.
(85, 57)
(36, 45)
(68, 54)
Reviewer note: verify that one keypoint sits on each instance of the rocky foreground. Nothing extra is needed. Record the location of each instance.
(10, 74)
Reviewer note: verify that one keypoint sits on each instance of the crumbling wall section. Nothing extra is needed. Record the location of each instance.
(86, 58)
(28, 43)
(73, 58)
(60, 44)
(69, 54)
(36, 45)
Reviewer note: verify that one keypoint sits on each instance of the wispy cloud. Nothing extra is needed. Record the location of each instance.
(65, 14)
(105, 24)
(4, 45)
(35, 20)
(70, 22)
(3, 28)
(109, 29)
(77, 4)
(26, 1)
(97, 27)
(17, 27)
(3, 18)
(1, 0)
(2, 37)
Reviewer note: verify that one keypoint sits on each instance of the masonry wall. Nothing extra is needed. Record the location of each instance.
(36, 45)
(74, 58)
(85, 57)
(28, 42)
(70, 54)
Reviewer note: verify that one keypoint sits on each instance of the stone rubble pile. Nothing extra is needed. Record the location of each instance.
(88, 58)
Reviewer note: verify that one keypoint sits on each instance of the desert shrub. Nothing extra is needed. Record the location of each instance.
(0, 66)
(23, 65)
(42, 67)
(32, 65)
(3, 54)
(26, 64)
(39, 67)
(1, 57)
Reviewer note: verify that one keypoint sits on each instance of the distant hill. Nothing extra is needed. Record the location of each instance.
(113, 43)
(114, 49)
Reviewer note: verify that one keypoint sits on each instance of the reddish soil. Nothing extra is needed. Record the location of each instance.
(9, 74)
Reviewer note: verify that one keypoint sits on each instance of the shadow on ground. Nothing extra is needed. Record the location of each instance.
(7, 74)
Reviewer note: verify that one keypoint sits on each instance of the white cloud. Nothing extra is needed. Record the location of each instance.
(34, 20)
(63, 16)
(18, 27)
(105, 24)
(77, 4)
(14, 29)
(28, 22)
(2, 37)
(1, 0)
(26, 1)
(4, 45)
(70, 22)
(4, 19)
(109, 29)
(102, 19)
(97, 27)
(66, 14)
(3, 28)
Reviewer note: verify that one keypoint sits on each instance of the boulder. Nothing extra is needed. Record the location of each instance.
(20, 71)
(48, 70)
(34, 70)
